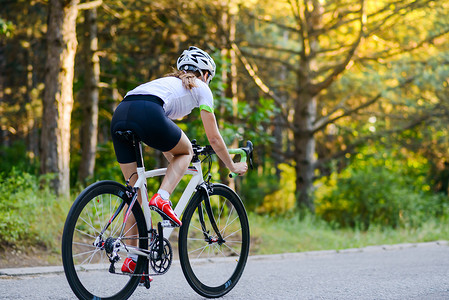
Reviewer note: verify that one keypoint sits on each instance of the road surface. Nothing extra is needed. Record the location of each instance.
(406, 271)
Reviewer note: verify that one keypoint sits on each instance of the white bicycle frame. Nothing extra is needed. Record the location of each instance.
(140, 185)
(142, 176)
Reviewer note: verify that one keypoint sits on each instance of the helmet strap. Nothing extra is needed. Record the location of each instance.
(209, 79)
(201, 73)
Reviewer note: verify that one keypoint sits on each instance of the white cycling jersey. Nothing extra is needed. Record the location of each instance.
(178, 101)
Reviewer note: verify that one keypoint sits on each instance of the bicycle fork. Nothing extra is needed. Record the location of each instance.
(204, 193)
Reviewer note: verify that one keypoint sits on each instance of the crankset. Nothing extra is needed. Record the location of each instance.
(161, 257)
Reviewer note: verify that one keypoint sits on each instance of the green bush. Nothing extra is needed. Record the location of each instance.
(106, 165)
(380, 189)
(29, 214)
(279, 197)
(255, 186)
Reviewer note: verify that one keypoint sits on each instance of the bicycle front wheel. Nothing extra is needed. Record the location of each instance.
(214, 243)
(85, 252)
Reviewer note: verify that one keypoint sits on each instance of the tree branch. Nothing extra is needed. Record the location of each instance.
(268, 47)
(387, 54)
(271, 21)
(295, 11)
(250, 69)
(90, 5)
(392, 13)
(351, 148)
(271, 60)
(323, 122)
(301, 24)
(316, 88)
(336, 22)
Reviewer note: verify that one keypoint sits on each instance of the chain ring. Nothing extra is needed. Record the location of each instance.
(161, 264)
(156, 241)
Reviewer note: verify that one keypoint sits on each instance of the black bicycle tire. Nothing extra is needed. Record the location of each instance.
(101, 187)
(194, 282)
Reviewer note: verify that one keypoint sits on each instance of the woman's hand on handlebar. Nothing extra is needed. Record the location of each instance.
(239, 168)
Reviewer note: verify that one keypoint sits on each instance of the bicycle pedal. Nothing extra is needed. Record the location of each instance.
(168, 224)
(145, 284)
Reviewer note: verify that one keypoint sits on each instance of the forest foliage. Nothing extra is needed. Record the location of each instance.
(347, 101)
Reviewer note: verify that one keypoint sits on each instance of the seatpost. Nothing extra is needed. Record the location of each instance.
(138, 148)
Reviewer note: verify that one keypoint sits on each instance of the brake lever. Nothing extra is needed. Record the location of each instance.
(246, 153)
(249, 153)
(251, 161)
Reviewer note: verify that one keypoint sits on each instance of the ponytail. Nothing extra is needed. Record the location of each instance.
(188, 78)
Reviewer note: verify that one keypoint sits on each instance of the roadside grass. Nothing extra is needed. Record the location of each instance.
(287, 234)
(272, 235)
(269, 235)
(32, 220)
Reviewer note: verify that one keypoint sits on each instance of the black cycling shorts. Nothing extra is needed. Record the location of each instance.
(145, 116)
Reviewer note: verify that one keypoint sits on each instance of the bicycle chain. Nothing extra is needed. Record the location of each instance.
(141, 275)
(144, 275)
(137, 238)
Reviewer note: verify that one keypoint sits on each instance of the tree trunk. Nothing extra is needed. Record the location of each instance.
(279, 127)
(58, 94)
(306, 109)
(89, 103)
(229, 76)
(3, 127)
(305, 149)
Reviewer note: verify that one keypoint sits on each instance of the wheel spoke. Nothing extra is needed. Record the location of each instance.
(96, 209)
(229, 223)
(194, 239)
(84, 253)
(90, 225)
(200, 248)
(84, 244)
(233, 233)
(237, 253)
(82, 247)
(229, 254)
(85, 233)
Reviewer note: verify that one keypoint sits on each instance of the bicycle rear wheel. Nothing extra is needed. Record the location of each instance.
(213, 266)
(85, 259)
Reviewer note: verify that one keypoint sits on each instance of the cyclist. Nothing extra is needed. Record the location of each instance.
(149, 110)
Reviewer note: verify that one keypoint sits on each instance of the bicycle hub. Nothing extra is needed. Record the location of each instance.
(110, 245)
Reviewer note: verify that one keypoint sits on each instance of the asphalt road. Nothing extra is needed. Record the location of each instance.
(407, 271)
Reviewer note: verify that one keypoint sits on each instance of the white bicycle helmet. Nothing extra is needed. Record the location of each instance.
(195, 59)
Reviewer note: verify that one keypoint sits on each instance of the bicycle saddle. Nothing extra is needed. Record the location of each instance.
(128, 135)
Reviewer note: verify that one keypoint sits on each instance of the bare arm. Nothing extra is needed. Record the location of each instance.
(218, 144)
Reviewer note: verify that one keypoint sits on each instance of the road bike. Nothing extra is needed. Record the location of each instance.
(213, 240)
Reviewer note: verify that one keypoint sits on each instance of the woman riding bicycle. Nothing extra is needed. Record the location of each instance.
(148, 110)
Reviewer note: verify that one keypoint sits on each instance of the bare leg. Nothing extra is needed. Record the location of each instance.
(168, 156)
(179, 158)
(131, 226)
(180, 155)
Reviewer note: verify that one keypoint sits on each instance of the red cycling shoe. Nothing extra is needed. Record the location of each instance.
(129, 266)
(164, 207)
